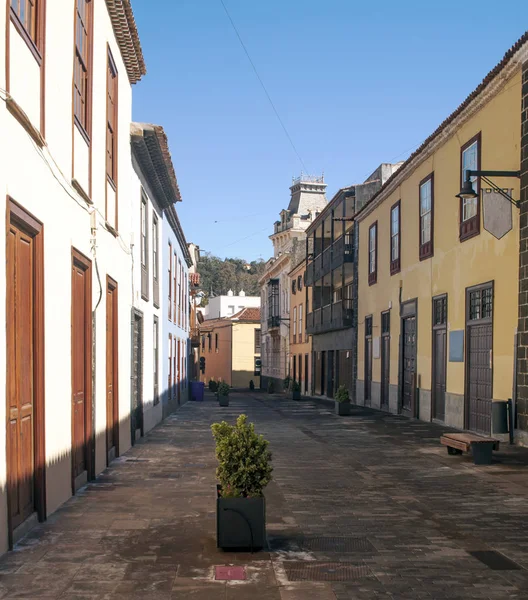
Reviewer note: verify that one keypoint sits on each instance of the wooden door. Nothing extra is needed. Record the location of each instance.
(112, 392)
(479, 358)
(439, 357)
(178, 382)
(294, 367)
(306, 373)
(81, 343)
(25, 446)
(409, 363)
(299, 360)
(323, 373)
(330, 375)
(136, 416)
(316, 370)
(368, 361)
(385, 360)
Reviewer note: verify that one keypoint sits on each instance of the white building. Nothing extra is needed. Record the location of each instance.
(66, 71)
(226, 306)
(289, 236)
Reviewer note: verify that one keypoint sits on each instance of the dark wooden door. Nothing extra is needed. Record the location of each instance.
(323, 373)
(330, 375)
(479, 371)
(439, 372)
(20, 277)
(81, 342)
(409, 363)
(306, 373)
(479, 358)
(385, 371)
(300, 371)
(136, 420)
(112, 397)
(178, 367)
(294, 367)
(316, 366)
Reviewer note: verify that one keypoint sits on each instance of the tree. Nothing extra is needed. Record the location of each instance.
(219, 276)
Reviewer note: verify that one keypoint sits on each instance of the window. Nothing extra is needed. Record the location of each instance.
(82, 74)
(300, 282)
(170, 367)
(373, 254)
(385, 323)
(144, 247)
(216, 342)
(111, 123)
(294, 324)
(155, 334)
(368, 326)
(209, 341)
(203, 342)
(175, 291)
(170, 281)
(440, 311)
(395, 241)
(257, 341)
(230, 310)
(481, 303)
(155, 259)
(293, 287)
(470, 207)
(426, 216)
(300, 322)
(27, 13)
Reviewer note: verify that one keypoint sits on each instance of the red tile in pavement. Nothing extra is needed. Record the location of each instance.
(230, 574)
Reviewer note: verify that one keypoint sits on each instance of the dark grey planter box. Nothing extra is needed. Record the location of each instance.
(240, 523)
(296, 395)
(223, 400)
(342, 408)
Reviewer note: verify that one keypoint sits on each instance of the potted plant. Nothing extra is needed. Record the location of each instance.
(213, 386)
(296, 390)
(223, 394)
(271, 386)
(342, 401)
(244, 469)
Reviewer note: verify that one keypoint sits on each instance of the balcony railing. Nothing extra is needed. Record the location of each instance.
(333, 257)
(195, 337)
(331, 317)
(273, 322)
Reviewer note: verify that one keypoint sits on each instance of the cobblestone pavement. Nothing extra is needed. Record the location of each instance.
(365, 506)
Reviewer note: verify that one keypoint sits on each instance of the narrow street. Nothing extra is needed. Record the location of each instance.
(361, 507)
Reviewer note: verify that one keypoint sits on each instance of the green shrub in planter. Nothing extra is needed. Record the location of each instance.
(296, 390)
(244, 469)
(223, 394)
(271, 387)
(342, 401)
(213, 385)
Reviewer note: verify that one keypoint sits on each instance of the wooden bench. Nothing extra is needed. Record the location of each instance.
(481, 447)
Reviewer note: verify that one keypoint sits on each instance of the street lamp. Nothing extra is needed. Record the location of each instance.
(467, 192)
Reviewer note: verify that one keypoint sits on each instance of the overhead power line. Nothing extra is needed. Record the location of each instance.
(264, 88)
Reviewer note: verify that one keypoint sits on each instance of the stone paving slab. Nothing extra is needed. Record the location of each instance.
(371, 498)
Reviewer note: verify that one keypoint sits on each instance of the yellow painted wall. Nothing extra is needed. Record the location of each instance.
(455, 265)
(295, 301)
(244, 355)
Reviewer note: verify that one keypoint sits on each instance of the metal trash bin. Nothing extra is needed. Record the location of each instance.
(197, 391)
(499, 417)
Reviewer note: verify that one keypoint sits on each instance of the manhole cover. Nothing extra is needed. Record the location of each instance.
(325, 571)
(338, 544)
(230, 574)
(495, 560)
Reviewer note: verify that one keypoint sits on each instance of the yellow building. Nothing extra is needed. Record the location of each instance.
(438, 289)
(231, 348)
(300, 341)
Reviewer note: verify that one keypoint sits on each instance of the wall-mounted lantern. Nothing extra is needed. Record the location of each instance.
(467, 192)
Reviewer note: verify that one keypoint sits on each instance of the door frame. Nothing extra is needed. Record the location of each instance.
(467, 326)
(137, 315)
(111, 284)
(86, 265)
(17, 215)
(408, 309)
(367, 382)
(383, 336)
(435, 328)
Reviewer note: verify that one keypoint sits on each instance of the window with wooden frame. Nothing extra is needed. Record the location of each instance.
(300, 323)
(395, 238)
(155, 259)
(169, 388)
(257, 341)
(209, 340)
(26, 17)
(175, 285)
(373, 254)
(216, 342)
(170, 282)
(82, 75)
(179, 293)
(294, 324)
(111, 121)
(426, 194)
(144, 247)
(155, 341)
(470, 207)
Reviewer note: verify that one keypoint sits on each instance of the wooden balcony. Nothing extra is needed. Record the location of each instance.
(331, 317)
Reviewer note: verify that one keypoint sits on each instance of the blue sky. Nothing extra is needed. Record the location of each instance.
(356, 84)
